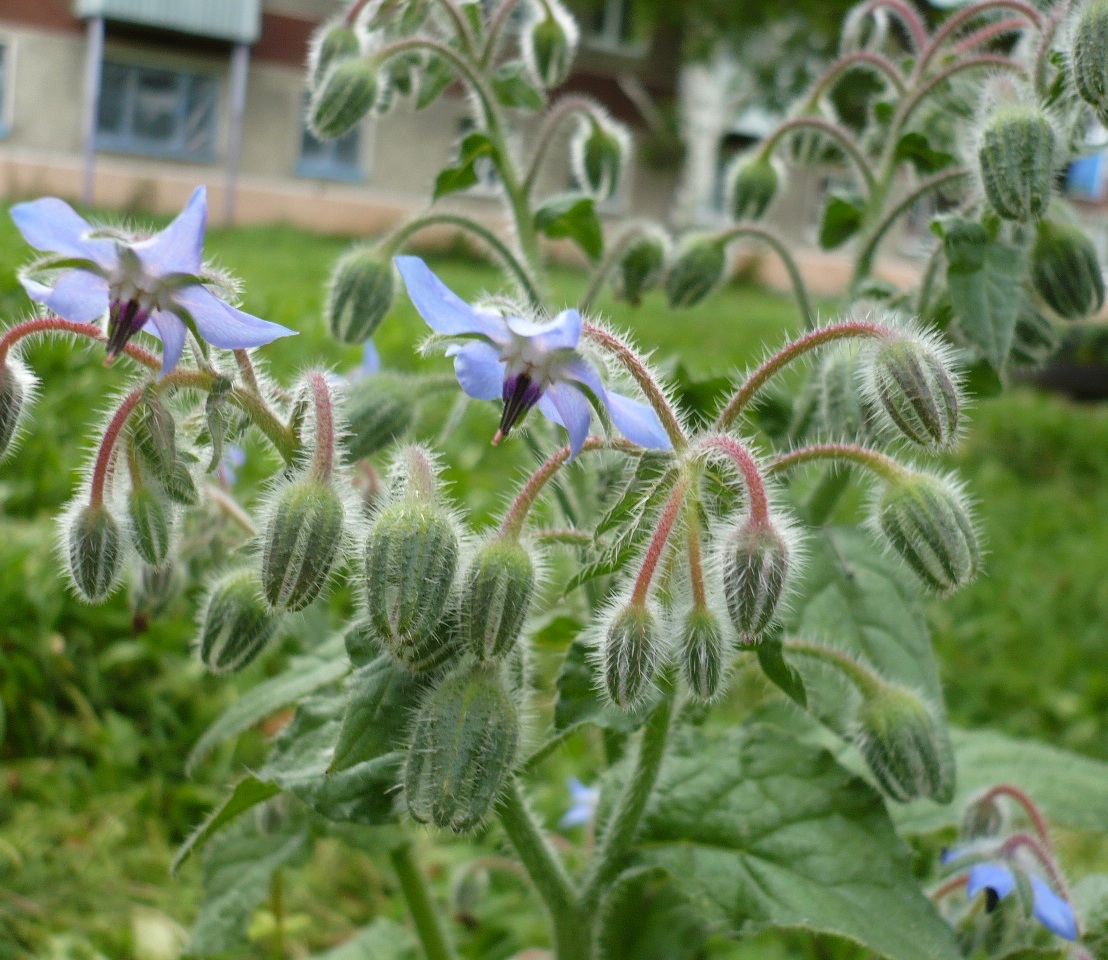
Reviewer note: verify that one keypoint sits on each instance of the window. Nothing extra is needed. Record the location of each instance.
(339, 159)
(151, 110)
(610, 25)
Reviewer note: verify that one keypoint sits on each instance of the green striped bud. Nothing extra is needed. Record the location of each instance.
(1034, 339)
(841, 409)
(237, 623)
(331, 44)
(344, 96)
(1089, 60)
(154, 434)
(1017, 157)
(911, 380)
(906, 746)
(1065, 270)
(697, 271)
(642, 266)
(302, 543)
(757, 563)
(15, 390)
(754, 182)
(704, 654)
(925, 520)
(94, 546)
(378, 410)
(178, 484)
(149, 526)
(411, 558)
(496, 598)
(361, 293)
(598, 151)
(550, 43)
(630, 655)
(463, 749)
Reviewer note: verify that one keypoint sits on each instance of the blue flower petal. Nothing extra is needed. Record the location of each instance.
(171, 331)
(567, 406)
(371, 359)
(561, 333)
(53, 225)
(638, 422)
(1052, 911)
(77, 295)
(442, 309)
(990, 876)
(479, 369)
(222, 325)
(179, 247)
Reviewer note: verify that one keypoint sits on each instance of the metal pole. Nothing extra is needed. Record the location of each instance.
(93, 70)
(240, 65)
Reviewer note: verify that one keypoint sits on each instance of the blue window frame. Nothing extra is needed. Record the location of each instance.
(158, 111)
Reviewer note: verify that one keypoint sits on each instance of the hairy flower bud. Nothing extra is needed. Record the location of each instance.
(15, 390)
(1017, 157)
(925, 520)
(302, 543)
(982, 818)
(378, 410)
(549, 43)
(496, 598)
(757, 561)
(331, 44)
(630, 655)
(344, 96)
(361, 293)
(149, 525)
(697, 271)
(841, 409)
(598, 151)
(411, 558)
(237, 622)
(463, 749)
(906, 746)
(178, 484)
(642, 266)
(154, 434)
(704, 653)
(910, 378)
(752, 185)
(94, 546)
(1089, 59)
(1065, 270)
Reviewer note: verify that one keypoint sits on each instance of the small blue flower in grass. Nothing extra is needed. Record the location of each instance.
(526, 364)
(583, 801)
(1048, 907)
(153, 284)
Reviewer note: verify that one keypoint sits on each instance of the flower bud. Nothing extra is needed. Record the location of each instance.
(302, 543)
(1016, 153)
(598, 151)
(237, 623)
(983, 818)
(926, 522)
(94, 545)
(15, 389)
(361, 293)
(1034, 339)
(463, 749)
(642, 266)
(1065, 270)
(331, 44)
(1089, 60)
(378, 410)
(906, 746)
(149, 526)
(910, 378)
(757, 562)
(411, 557)
(178, 484)
(345, 95)
(841, 409)
(630, 655)
(153, 589)
(753, 184)
(697, 271)
(496, 598)
(550, 43)
(154, 434)
(704, 654)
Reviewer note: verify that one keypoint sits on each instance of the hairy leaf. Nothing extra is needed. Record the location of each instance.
(572, 216)
(463, 175)
(513, 89)
(842, 218)
(645, 918)
(248, 793)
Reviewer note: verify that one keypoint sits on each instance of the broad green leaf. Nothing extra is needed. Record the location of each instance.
(513, 89)
(463, 175)
(381, 940)
(643, 917)
(842, 218)
(579, 699)
(436, 78)
(248, 793)
(915, 148)
(572, 216)
(761, 831)
(1071, 790)
(303, 676)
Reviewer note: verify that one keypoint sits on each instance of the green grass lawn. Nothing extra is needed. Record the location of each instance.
(92, 800)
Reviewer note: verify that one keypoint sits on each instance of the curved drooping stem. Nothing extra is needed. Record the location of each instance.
(907, 15)
(1040, 849)
(551, 121)
(883, 465)
(924, 90)
(30, 328)
(777, 244)
(748, 467)
(986, 33)
(867, 681)
(857, 60)
(842, 138)
(496, 26)
(656, 548)
(964, 16)
(102, 466)
(1025, 803)
(612, 255)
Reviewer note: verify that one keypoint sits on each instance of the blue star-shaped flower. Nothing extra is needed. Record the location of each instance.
(151, 284)
(583, 802)
(525, 363)
(1048, 907)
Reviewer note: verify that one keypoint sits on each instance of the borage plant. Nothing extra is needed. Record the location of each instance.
(669, 553)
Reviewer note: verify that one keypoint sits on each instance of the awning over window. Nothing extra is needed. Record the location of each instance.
(239, 21)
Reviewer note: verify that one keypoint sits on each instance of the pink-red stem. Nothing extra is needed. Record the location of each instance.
(752, 476)
(1025, 802)
(323, 457)
(102, 467)
(56, 325)
(657, 546)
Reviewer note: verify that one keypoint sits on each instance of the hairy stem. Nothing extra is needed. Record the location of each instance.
(428, 923)
(695, 552)
(856, 60)
(1025, 802)
(102, 467)
(616, 249)
(907, 15)
(752, 476)
(842, 138)
(986, 33)
(796, 278)
(246, 370)
(881, 464)
(56, 325)
(553, 118)
(323, 456)
(962, 17)
(865, 680)
(496, 26)
(924, 90)
(657, 546)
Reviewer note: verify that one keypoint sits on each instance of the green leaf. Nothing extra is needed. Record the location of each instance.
(436, 78)
(985, 282)
(572, 216)
(771, 658)
(513, 89)
(304, 675)
(248, 793)
(842, 218)
(579, 699)
(645, 918)
(915, 148)
(463, 175)
(650, 468)
(761, 831)
(381, 940)
(1071, 790)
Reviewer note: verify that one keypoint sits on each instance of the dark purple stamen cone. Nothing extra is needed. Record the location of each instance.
(521, 393)
(124, 321)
